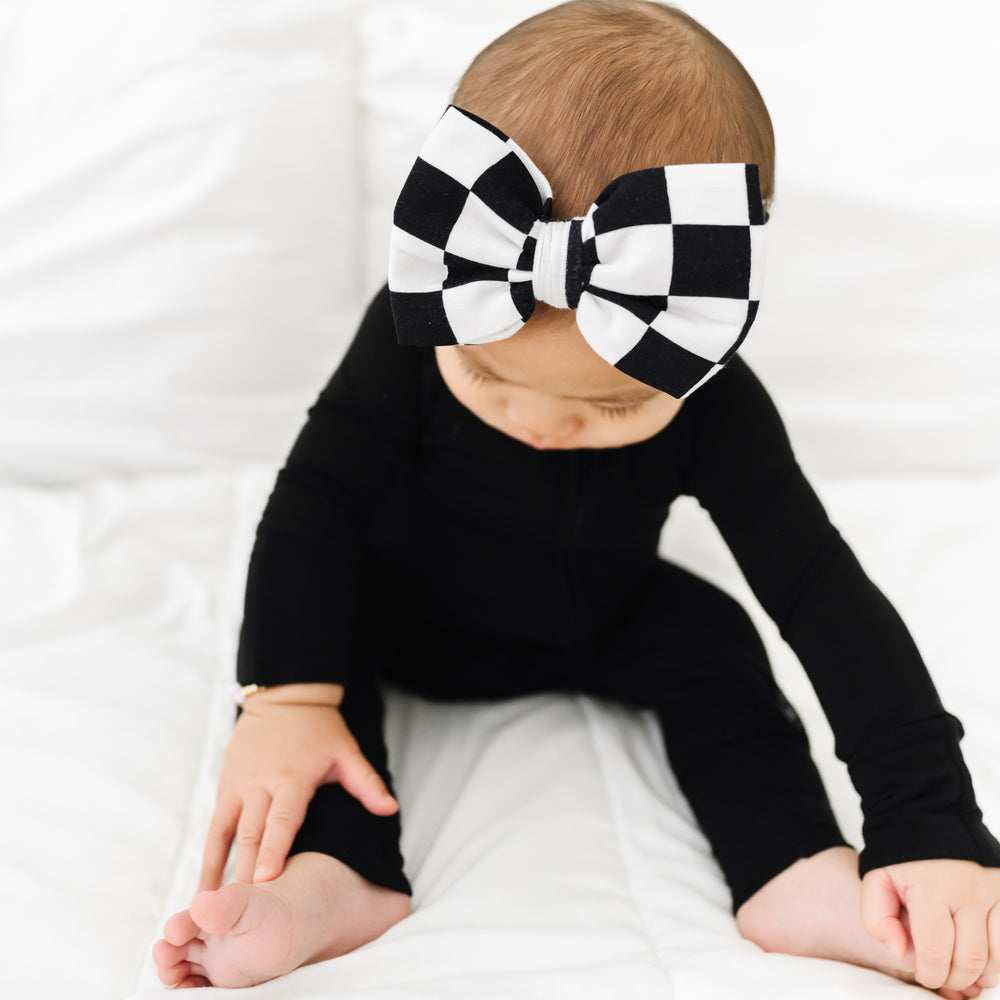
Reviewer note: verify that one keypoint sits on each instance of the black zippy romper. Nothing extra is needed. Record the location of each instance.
(406, 539)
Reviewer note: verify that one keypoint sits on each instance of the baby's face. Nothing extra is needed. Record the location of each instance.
(547, 388)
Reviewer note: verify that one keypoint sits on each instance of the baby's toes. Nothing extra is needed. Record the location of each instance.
(180, 928)
(194, 979)
(174, 974)
(165, 954)
(192, 983)
(174, 964)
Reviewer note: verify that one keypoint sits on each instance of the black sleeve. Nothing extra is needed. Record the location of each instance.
(901, 747)
(303, 577)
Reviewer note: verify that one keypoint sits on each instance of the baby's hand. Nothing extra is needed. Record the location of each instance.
(286, 743)
(947, 912)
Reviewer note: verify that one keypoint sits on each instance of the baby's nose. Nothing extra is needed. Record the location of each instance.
(542, 418)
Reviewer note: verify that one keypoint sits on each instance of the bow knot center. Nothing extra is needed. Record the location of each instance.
(557, 270)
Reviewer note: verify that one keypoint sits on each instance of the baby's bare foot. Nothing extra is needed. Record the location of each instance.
(244, 933)
(813, 909)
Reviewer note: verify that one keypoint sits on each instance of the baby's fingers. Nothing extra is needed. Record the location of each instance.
(880, 912)
(363, 782)
(933, 931)
(221, 831)
(249, 833)
(990, 977)
(288, 810)
(972, 948)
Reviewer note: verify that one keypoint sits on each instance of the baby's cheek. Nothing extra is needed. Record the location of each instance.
(497, 402)
(599, 432)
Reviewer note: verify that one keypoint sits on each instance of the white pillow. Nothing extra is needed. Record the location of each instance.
(411, 59)
(177, 269)
(878, 327)
(877, 332)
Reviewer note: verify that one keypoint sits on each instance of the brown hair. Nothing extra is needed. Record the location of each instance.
(593, 89)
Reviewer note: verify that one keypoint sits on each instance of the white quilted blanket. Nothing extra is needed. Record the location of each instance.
(550, 851)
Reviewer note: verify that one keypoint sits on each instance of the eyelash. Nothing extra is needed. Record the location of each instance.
(612, 412)
(478, 377)
(617, 411)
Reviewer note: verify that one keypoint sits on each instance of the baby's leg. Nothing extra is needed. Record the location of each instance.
(342, 886)
(737, 748)
(742, 759)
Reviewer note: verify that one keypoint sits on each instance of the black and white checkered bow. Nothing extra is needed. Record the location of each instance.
(664, 271)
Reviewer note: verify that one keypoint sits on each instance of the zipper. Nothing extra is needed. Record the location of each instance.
(570, 530)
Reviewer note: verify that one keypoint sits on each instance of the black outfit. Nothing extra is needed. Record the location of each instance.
(407, 538)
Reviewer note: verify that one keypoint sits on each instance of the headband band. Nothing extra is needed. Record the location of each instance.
(664, 271)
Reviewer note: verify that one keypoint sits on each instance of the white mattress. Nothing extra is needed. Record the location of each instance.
(550, 851)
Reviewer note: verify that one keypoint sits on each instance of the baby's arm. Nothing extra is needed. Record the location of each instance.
(945, 913)
(900, 745)
(302, 590)
(287, 742)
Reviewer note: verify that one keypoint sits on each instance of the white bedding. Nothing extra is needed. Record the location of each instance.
(193, 194)
(550, 851)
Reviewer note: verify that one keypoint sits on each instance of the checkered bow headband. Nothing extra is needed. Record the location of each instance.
(664, 270)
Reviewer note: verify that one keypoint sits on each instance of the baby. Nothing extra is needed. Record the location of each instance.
(478, 517)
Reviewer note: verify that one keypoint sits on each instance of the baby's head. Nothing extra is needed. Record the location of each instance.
(591, 90)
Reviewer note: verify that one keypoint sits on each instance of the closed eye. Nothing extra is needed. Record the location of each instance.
(482, 378)
(617, 411)
(478, 377)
